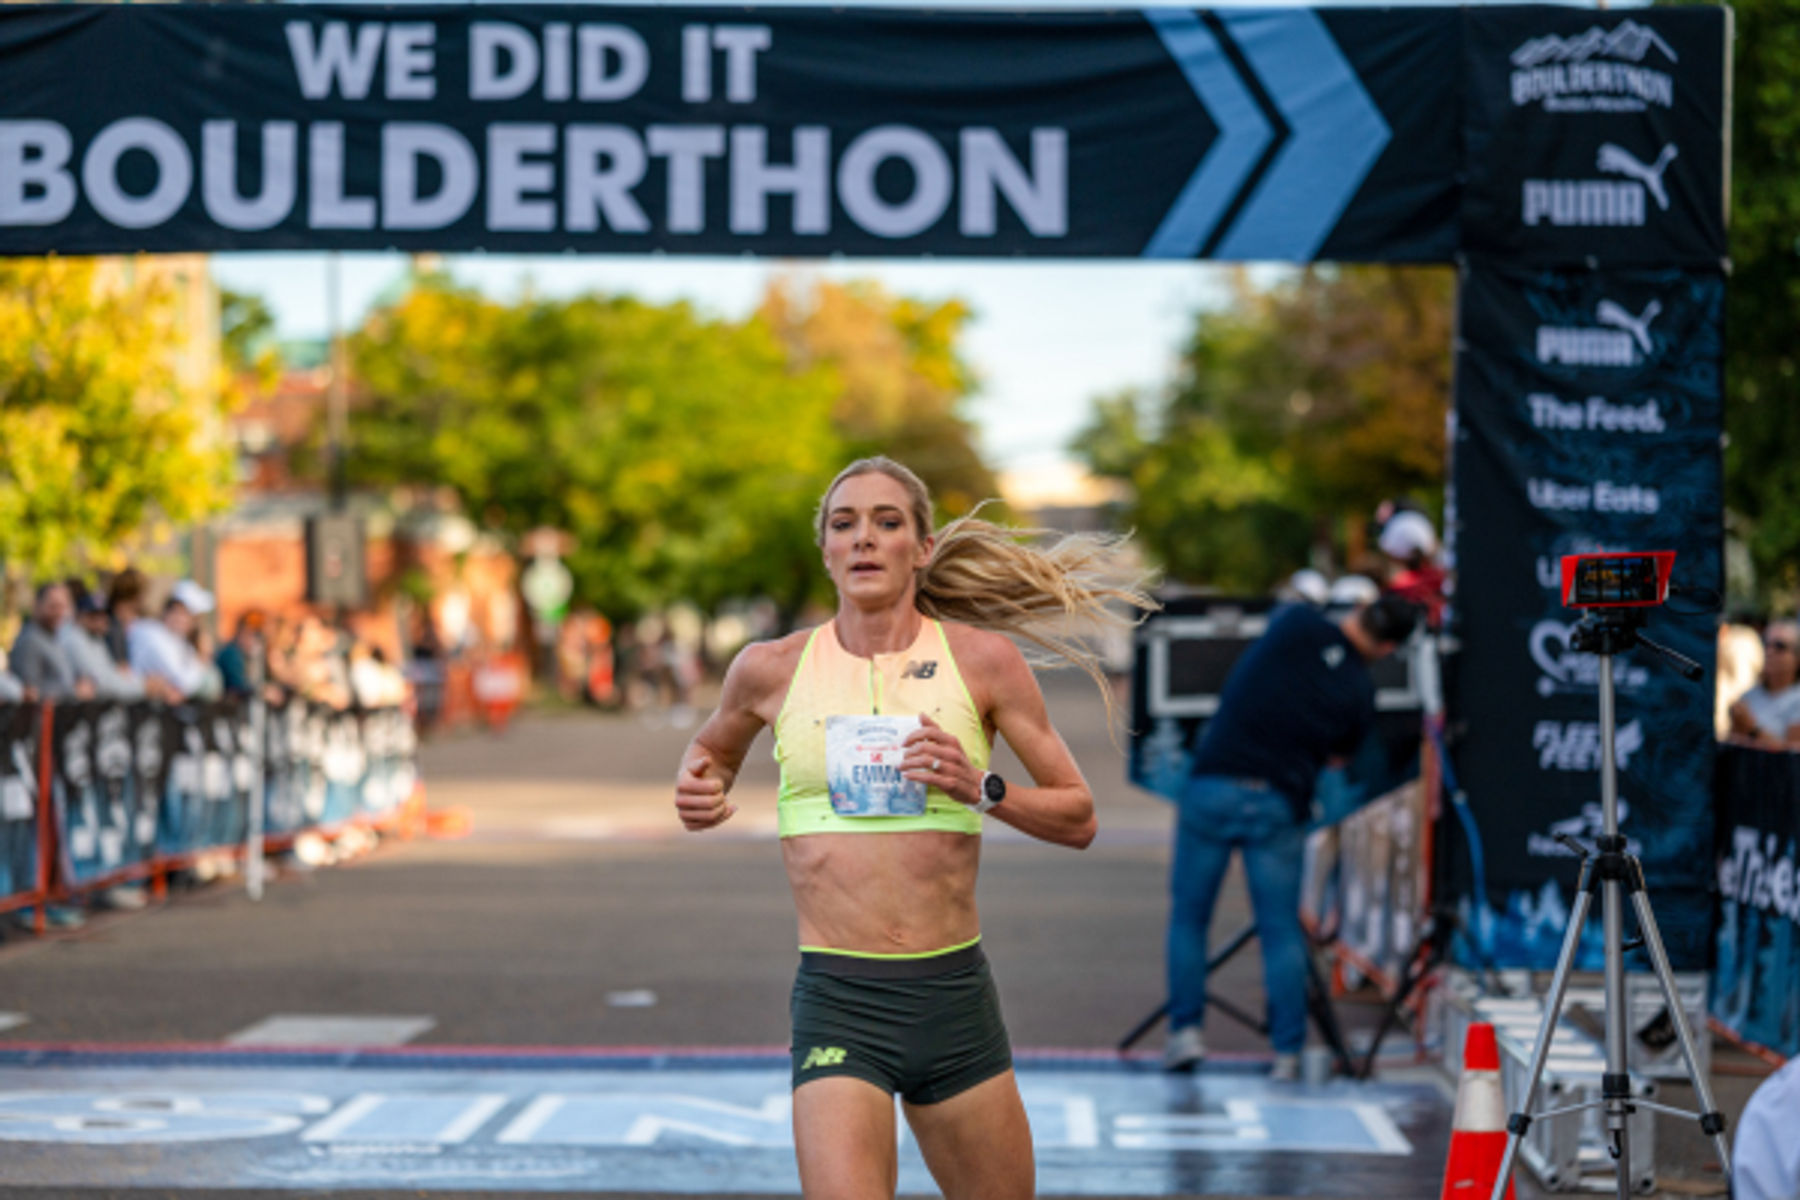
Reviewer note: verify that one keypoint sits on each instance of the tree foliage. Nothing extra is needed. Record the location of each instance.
(1296, 409)
(98, 435)
(900, 382)
(1762, 360)
(685, 454)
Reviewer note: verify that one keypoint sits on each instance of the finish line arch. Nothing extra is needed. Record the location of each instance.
(1571, 163)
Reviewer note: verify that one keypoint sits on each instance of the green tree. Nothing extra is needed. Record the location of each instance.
(1296, 409)
(247, 339)
(901, 384)
(1762, 362)
(685, 454)
(98, 436)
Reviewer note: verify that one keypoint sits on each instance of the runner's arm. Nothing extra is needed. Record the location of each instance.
(710, 764)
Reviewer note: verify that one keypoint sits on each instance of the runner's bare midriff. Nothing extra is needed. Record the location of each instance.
(896, 893)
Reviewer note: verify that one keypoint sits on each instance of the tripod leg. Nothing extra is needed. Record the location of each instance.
(1520, 1120)
(1711, 1121)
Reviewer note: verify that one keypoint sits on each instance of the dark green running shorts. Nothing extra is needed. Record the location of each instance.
(925, 1028)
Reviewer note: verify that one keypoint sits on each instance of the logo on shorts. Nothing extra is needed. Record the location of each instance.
(920, 670)
(823, 1056)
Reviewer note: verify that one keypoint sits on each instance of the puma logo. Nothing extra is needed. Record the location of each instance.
(823, 1056)
(1617, 160)
(1608, 313)
(920, 670)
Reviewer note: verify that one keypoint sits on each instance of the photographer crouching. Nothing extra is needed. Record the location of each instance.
(1299, 698)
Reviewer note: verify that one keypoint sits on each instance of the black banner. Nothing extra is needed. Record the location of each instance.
(1756, 981)
(1595, 136)
(1587, 417)
(19, 736)
(110, 763)
(1268, 134)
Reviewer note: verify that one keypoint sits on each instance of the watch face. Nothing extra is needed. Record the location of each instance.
(993, 787)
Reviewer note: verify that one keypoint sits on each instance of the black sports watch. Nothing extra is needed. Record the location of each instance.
(993, 791)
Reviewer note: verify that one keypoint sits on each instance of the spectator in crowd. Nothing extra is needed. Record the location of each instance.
(1765, 1158)
(84, 641)
(373, 682)
(124, 604)
(38, 659)
(1410, 543)
(1301, 696)
(1740, 664)
(1769, 713)
(162, 650)
(242, 656)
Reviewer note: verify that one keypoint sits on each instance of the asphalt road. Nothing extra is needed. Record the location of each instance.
(576, 896)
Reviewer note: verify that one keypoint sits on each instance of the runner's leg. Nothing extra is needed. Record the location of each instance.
(845, 1140)
(977, 1143)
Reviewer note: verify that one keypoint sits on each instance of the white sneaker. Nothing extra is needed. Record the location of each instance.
(1286, 1069)
(1184, 1049)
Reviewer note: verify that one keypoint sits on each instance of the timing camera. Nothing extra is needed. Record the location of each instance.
(1619, 580)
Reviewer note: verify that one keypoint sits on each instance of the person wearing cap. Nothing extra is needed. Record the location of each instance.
(163, 652)
(83, 640)
(1300, 697)
(1409, 540)
(38, 659)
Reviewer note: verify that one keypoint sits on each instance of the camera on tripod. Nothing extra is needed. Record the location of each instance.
(1620, 580)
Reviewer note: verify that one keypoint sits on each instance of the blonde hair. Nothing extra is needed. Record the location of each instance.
(992, 577)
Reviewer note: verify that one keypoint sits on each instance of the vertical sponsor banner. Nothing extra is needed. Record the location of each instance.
(18, 797)
(1594, 136)
(1587, 417)
(1756, 980)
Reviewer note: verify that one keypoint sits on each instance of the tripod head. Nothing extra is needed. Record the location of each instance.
(1609, 631)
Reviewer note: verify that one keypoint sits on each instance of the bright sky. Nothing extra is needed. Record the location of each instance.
(1046, 339)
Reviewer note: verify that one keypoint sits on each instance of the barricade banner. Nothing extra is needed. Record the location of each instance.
(108, 765)
(1756, 982)
(1588, 417)
(211, 770)
(19, 737)
(293, 776)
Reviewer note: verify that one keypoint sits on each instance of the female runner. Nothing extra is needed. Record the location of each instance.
(893, 995)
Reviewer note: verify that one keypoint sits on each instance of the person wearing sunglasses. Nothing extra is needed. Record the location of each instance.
(1769, 713)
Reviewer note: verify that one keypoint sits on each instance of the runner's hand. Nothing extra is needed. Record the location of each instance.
(699, 801)
(935, 758)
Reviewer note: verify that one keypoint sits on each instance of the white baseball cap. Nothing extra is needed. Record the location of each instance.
(192, 597)
(1309, 585)
(1407, 534)
(1354, 589)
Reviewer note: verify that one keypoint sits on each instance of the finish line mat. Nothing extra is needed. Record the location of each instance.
(665, 1122)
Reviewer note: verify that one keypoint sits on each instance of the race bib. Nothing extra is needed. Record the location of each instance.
(862, 767)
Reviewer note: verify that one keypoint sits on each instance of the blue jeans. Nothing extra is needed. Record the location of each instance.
(1217, 815)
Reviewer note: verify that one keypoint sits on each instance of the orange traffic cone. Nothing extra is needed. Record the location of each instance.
(1478, 1132)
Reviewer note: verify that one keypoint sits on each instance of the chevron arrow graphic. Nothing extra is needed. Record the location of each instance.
(1244, 134)
(1335, 135)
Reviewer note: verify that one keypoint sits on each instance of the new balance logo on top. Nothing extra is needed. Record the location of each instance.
(920, 670)
(823, 1056)
(1625, 344)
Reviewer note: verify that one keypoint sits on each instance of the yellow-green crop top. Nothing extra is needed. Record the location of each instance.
(830, 681)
